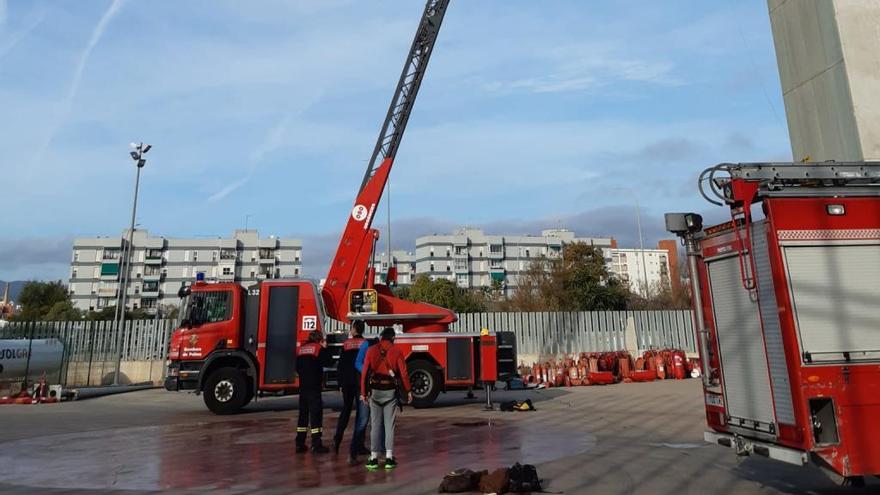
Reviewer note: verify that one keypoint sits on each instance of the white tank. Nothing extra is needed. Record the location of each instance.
(46, 356)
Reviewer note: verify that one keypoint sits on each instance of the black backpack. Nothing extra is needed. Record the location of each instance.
(523, 478)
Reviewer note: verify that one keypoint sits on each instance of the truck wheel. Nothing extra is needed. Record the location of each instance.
(226, 391)
(425, 382)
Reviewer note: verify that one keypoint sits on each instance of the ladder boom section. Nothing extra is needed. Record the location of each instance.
(350, 266)
(407, 87)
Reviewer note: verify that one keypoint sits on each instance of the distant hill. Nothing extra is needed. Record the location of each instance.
(14, 288)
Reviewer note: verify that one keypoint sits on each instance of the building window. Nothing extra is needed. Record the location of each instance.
(183, 274)
(195, 256)
(227, 254)
(296, 271)
(76, 256)
(462, 280)
(496, 264)
(495, 248)
(461, 265)
(227, 270)
(432, 253)
(432, 268)
(214, 256)
(73, 273)
(111, 254)
(447, 252)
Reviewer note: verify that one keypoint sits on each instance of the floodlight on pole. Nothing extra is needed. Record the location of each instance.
(137, 154)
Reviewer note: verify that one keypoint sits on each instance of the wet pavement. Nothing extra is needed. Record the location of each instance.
(254, 454)
(622, 439)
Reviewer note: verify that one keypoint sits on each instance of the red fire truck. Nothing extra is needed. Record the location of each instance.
(235, 343)
(787, 306)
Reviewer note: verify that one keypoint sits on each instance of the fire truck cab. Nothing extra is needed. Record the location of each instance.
(787, 303)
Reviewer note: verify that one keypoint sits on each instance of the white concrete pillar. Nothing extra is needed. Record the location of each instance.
(829, 67)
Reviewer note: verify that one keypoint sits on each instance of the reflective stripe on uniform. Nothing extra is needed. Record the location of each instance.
(317, 430)
(301, 429)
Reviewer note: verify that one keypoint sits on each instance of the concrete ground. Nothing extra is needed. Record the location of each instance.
(627, 438)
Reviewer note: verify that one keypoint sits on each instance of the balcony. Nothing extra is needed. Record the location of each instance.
(108, 291)
(110, 270)
(151, 293)
(496, 252)
(153, 257)
(153, 276)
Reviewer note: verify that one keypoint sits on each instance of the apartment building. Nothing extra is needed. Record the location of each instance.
(404, 261)
(159, 266)
(473, 259)
(645, 270)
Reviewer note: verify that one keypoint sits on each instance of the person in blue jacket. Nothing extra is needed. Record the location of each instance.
(362, 416)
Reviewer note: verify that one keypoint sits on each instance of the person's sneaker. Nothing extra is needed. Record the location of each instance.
(301, 449)
(319, 449)
(373, 463)
(390, 463)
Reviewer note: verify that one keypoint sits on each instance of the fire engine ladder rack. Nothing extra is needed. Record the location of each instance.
(407, 86)
(794, 179)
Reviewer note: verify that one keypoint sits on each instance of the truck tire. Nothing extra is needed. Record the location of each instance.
(425, 381)
(226, 391)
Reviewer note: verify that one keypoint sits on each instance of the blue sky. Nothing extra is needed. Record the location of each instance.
(532, 115)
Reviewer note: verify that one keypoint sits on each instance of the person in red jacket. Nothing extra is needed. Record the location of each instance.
(383, 375)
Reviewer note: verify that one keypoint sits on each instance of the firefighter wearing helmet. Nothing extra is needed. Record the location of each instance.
(311, 359)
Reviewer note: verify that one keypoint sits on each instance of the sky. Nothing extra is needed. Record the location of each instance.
(532, 115)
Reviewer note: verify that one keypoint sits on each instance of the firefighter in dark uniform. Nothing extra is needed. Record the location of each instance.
(311, 359)
(349, 381)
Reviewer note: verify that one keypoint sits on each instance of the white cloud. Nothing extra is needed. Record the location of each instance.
(581, 68)
(75, 80)
(13, 40)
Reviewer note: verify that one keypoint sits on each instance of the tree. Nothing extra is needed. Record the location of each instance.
(444, 293)
(37, 299)
(62, 311)
(578, 280)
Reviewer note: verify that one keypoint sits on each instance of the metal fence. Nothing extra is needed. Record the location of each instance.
(88, 353)
(553, 333)
(89, 347)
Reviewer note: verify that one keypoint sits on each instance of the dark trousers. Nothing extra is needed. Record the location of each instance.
(350, 399)
(311, 416)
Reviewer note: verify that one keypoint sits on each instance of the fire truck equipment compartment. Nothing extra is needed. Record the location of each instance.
(281, 329)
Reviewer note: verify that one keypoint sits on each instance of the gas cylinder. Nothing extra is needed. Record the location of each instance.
(661, 366)
(678, 365)
(559, 378)
(623, 369)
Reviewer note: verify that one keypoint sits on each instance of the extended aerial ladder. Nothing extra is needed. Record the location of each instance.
(236, 344)
(349, 291)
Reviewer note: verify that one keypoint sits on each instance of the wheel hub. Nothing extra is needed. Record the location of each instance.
(224, 390)
(421, 383)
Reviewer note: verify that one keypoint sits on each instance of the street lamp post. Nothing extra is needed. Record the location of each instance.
(645, 287)
(139, 150)
(642, 246)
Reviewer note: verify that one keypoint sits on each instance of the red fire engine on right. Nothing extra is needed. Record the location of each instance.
(787, 310)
